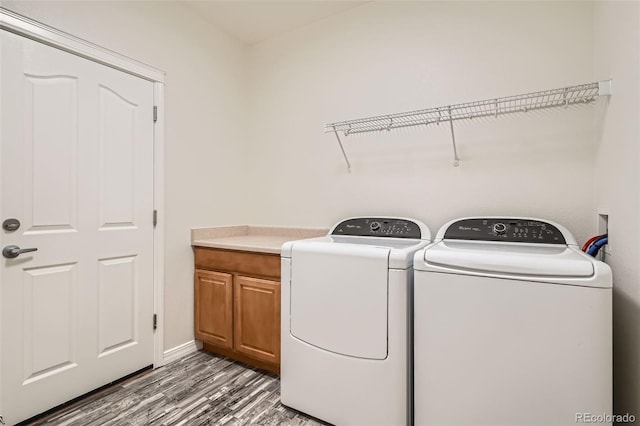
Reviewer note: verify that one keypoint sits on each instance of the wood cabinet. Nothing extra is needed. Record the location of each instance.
(237, 305)
(214, 308)
(257, 318)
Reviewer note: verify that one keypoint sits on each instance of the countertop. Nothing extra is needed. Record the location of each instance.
(262, 239)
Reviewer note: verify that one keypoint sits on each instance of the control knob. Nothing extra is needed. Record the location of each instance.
(499, 228)
(375, 226)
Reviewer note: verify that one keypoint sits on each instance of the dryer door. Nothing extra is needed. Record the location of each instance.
(339, 297)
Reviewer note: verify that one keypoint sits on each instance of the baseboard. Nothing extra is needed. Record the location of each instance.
(181, 350)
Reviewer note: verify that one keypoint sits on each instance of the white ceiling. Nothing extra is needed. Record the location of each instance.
(254, 21)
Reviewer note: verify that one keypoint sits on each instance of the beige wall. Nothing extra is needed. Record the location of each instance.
(617, 189)
(387, 57)
(205, 109)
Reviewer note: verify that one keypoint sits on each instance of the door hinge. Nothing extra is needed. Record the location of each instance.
(155, 321)
(155, 218)
(155, 113)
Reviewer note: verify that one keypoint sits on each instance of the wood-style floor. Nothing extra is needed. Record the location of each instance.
(199, 389)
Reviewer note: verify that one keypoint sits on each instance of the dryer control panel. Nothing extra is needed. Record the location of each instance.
(505, 229)
(378, 227)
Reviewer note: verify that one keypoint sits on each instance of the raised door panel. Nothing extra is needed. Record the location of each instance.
(51, 138)
(49, 321)
(117, 304)
(117, 141)
(257, 318)
(214, 308)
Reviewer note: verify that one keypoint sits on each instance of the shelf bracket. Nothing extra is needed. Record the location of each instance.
(456, 160)
(344, 154)
(604, 88)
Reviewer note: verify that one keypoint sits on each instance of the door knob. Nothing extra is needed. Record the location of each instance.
(14, 251)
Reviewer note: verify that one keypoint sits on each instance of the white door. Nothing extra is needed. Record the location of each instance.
(76, 169)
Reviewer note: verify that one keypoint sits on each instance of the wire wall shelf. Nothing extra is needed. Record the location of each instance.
(562, 97)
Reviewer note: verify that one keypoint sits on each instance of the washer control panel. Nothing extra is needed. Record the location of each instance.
(378, 227)
(505, 229)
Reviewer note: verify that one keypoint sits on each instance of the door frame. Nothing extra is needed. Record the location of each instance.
(28, 28)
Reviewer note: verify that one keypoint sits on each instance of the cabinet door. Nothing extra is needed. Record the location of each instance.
(214, 308)
(257, 318)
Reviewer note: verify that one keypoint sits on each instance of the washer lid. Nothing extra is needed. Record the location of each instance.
(504, 258)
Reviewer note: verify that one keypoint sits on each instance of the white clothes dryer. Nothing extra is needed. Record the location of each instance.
(346, 321)
(513, 326)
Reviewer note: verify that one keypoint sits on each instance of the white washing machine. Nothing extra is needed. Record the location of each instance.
(512, 326)
(346, 321)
